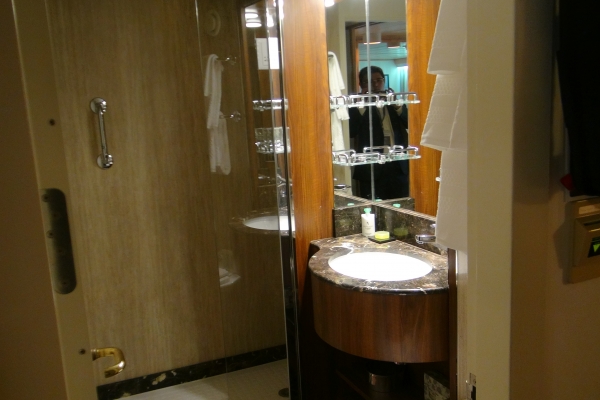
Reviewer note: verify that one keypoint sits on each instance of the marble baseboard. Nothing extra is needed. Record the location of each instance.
(190, 373)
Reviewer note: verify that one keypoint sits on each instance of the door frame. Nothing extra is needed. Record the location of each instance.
(45, 135)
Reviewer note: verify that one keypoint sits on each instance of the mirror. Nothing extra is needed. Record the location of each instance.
(370, 37)
(265, 119)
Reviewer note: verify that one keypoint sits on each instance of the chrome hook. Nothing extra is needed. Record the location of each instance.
(229, 60)
(236, 116)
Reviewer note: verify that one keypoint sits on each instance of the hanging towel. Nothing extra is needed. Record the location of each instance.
(212, 89)
(226, 264)
(219, 148)
(446, 127)
(217, 126)
(449, 38)
(336, 85)
(451, 220)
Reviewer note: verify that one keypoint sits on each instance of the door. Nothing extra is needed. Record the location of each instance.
(151, 232)
(142, 230)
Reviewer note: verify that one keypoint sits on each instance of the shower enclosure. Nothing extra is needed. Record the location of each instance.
(181, 232)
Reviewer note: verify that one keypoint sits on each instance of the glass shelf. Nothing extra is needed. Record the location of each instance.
(371, 155)
(267, 105)
(268, 147)
(377, 100)
(270, 140)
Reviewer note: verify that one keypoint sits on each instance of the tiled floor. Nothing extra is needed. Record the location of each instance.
(256, 383)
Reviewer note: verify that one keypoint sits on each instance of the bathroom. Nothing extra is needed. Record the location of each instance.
(313, 221)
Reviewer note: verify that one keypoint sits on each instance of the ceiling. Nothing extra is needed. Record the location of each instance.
(390, 32)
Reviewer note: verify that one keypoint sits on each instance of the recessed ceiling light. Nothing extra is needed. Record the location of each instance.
(329, 3)
(250, 15)
(253, 24)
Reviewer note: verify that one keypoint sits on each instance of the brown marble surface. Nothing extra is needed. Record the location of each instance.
(436, 280)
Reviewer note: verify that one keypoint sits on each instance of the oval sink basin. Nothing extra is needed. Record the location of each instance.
(379, 266)
(269, 223)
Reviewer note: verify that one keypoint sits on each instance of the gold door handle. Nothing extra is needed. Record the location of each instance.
(116, 354)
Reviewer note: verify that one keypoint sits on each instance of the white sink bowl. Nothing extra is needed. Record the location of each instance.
(269, 223)
(379, 266)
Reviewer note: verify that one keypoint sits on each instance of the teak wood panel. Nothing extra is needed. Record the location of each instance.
(398, 328)
(307, 91)
(421, 17)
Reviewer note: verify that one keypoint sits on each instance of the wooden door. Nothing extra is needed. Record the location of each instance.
(143, 229)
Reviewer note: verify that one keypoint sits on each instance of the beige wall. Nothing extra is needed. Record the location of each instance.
(30, 355)
(490, 127)
(531, 336)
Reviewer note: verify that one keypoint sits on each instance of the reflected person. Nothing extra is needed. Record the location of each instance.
(390, 127)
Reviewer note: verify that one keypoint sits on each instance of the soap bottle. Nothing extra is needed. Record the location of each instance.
(368, 223)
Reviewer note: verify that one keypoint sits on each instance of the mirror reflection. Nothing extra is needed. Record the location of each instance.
(265, 120)
(368, 57)
(269, 152)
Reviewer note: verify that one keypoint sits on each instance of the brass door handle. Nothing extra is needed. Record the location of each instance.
(116, 354)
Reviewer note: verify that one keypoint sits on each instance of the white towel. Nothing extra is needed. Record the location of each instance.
(212, 90)
(336, 85)
(219, 148)
(227, 263)
(446, 127)
(449, 38)
(217, 126)
(451, 220)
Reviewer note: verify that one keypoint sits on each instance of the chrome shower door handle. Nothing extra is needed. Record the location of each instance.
(98, 106)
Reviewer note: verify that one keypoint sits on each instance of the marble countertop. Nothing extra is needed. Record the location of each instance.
(436, 280)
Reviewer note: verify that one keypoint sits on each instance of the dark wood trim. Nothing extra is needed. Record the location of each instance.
(421, 17)
(307, 91)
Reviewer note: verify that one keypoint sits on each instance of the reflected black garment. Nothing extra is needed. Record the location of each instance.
(578, 66)
(391, 179)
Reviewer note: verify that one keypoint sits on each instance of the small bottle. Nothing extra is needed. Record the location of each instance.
(368, 223)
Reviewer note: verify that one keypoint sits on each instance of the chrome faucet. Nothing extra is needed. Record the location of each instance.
(423, 238)
(340, 186)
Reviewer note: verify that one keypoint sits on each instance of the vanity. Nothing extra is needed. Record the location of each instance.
(397, 320)
(382, 306)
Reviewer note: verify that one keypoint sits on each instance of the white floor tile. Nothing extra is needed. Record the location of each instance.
(257, 383)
